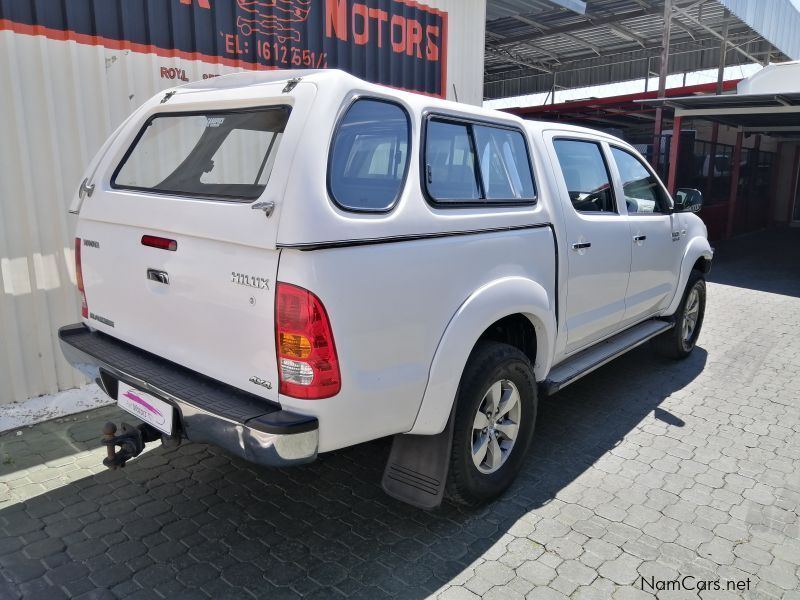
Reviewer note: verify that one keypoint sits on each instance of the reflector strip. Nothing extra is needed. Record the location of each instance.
(79, 279)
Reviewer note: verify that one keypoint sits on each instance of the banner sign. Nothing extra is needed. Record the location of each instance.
(401, 43)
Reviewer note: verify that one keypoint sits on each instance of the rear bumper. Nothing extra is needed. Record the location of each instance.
(208, 411)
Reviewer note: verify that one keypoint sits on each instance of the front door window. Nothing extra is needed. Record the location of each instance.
(656, 237)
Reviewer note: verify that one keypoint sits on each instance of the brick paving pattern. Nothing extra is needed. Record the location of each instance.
(646, 468)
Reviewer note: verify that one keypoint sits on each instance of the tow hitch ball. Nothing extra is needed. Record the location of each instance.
(131, 441)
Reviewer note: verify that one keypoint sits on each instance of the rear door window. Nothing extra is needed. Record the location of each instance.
(471, 163)
(225, 155)
(369, 156)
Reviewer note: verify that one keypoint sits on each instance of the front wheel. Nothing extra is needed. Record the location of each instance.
(679, 341)
(494, 422)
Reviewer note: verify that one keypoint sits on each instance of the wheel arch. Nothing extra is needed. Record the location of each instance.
(702, 264)
(517, 330)
(698, 254)
(489, 313)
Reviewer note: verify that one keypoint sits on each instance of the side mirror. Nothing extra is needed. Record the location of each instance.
(688, 200)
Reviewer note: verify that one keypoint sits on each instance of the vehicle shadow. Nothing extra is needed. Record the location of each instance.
(193, 522)
(766, 261)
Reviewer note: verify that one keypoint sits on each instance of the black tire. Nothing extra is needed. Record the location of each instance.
(490, 362)
(673, 344)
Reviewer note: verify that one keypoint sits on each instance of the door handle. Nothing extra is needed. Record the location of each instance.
(639, 238)
(581, 245)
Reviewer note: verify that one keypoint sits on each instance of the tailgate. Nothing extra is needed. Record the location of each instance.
(210, 307)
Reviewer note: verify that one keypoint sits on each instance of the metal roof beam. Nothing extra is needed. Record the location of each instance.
(549, 55)
(626, 34)
(583, 43)
(682, 12)
(602, 119)
(578, 6)
(572, 117)
(691, 5)
(628, 113)
(590, 22)
(584, 24)
(775, 129)
(572, 61)
(725, 112)
(529, 21)
(508, 56)
(540, 27)
(684, 28)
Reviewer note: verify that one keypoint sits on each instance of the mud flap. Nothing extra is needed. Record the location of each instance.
(416, 471)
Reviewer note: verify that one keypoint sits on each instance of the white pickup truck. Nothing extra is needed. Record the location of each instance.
(288, 263)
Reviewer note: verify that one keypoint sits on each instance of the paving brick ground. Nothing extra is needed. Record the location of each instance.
(646, 469)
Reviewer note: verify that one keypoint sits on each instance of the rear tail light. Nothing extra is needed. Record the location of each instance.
(308, 366)
(79, 279)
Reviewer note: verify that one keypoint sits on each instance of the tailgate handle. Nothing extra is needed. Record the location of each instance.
(158, 276)
(267, 207)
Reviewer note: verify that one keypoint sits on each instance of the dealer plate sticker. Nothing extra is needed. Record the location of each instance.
(146, 407)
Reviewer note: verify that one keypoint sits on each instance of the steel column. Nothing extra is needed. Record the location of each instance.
(736, 161)
(773, 185)
(662, 82)
(673, 154)
(795, 183)
(712, 159)
(752, 175)
(723, 52)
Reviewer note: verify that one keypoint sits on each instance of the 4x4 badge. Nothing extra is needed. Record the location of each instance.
(261, 382)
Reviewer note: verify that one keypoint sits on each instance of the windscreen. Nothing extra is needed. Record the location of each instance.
(227, 155)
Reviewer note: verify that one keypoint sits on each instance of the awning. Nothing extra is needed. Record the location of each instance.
(754, 113)
(534, 46)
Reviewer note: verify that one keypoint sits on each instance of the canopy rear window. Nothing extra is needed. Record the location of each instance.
(225, 155)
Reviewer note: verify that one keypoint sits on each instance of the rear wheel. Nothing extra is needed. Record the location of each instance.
(679, 341)
(494, 422)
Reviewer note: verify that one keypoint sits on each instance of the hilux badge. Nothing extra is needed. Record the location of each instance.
(260, 283)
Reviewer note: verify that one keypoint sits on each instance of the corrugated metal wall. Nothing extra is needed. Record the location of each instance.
(776, 20)
(466, 30)
(59, 101)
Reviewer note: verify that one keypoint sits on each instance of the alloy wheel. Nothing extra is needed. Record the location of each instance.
(690, 315)
(496, 425)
